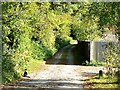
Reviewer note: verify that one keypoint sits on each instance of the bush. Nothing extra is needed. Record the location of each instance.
(62, 41)
(9, 73)
(37, 51)
(112, 56)
(95, 63)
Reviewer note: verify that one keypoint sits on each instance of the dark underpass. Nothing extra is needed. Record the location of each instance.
(79, 52)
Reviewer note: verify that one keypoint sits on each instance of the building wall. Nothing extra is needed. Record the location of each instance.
(93, 51)
(97, 49)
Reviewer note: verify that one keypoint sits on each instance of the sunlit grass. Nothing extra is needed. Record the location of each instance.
(95, 63)
(36, 65)
(104, 82)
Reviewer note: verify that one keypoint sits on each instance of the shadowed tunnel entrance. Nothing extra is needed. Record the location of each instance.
(83, 49)
(75, 54)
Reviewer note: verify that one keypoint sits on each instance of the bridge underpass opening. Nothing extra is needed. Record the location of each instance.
(73, 54)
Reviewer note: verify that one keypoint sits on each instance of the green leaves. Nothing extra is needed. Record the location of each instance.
(112, 57)
(86, 29)
(108, 14)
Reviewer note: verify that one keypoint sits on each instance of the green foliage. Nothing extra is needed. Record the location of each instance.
(108, 12)
(17, 46)
(95, 63)
(109, 15)
(112, 56)
(29, 34)
(62, 41)
(38, 51)
(85, 25)
(91, 19)
(86, 30)
(9, 74)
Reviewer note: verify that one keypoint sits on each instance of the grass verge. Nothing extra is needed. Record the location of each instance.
(104, 83)
(36, 65)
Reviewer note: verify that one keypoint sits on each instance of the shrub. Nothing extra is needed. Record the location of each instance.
(112, 57)
(95, 63)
